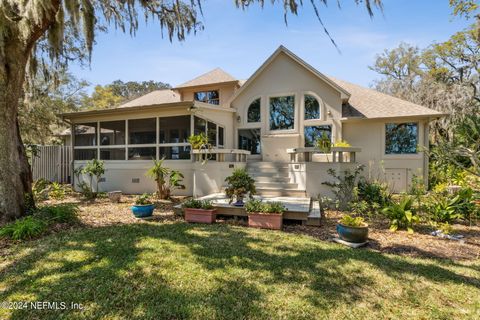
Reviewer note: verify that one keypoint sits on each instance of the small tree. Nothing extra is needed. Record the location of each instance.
(344, 185)
(167, 179)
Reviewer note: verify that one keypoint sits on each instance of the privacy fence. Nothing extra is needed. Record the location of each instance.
(52, 163)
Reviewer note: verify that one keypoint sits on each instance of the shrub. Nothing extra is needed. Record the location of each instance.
(198, 204)
(350, 221)
(371, 196)
(167, 179)
(257, 206)
(143, 200)
(344, 185)
(62, 213)
(447, 208)
(40, 189)
(401, 215)
(57, 191)
(239, 184)
(22, 229)
(94, 169)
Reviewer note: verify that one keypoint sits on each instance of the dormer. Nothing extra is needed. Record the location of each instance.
(215, 87)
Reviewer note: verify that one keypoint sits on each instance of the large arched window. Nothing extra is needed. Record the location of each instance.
(253, 114)
(312, 108)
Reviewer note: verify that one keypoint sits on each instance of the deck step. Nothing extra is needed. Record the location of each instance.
(267, 179)
(280, 185)
(280, 192)
(268, 170)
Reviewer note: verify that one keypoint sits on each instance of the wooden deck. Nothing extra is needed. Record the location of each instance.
(300, 209)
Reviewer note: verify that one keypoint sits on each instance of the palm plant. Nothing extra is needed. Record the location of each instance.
(167, 179)
(401, 215)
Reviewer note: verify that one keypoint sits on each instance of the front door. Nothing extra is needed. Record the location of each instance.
(249, 139)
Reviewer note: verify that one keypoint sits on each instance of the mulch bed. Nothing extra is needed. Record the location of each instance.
(102, 212)
(420, 244)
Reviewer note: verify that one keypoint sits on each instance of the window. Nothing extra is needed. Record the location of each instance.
(253, 113)
(148, 153)
(282, 113)
(175, 153)
(315, 133)
(212, 133)
(112, 133)
(199, 125)
(112, 154)
(85, 154)
(221, 141)
(174, 129)
(312, 108)
(401, 138)
(211, 97)
(85, 134)
(249, 139)
(142, 131)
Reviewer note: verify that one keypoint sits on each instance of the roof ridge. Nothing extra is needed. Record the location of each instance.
(203, 75)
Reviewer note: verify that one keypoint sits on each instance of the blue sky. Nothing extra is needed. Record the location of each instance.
(239, 41)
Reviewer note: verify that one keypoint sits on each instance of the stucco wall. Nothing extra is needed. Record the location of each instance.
(284, 76)
(398, 170)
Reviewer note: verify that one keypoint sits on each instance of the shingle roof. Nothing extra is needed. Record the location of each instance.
(153, 98)
(371, 104)
(215, 76)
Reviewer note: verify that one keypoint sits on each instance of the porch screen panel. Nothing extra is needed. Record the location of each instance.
(142, 131)
(85, 154)
(212, 133)
(144, 153)
(112, 154)
(174, 129)
(85, 134)
(199, 125)
(175, 153)
(221, 139)
(112, 133)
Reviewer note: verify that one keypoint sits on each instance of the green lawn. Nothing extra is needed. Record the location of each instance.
(177, 270)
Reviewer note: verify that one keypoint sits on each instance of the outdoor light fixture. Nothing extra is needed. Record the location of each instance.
(239, 119)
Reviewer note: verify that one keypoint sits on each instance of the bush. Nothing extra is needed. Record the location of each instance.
(257, 206)
(61, 213)
(401, 215)
(344, 185)
(446, 208)
(350, 221)
(143, 200)
(239, 184)
(57, 191)
(371, 197)
(22, 229)
(198, 204)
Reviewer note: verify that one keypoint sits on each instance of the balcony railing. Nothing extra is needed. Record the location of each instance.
(220, 155)
(338, 154)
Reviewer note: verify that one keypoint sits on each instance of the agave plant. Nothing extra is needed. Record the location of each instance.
(402, 215)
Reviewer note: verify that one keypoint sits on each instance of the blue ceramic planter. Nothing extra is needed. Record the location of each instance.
(143, 211)
(352, 234)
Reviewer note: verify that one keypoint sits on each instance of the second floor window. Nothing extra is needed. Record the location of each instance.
(211, 97)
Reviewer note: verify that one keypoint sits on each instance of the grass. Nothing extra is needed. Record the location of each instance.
(176, 271)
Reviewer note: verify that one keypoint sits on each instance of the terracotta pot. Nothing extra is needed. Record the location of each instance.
(272, 221)
(200, 215)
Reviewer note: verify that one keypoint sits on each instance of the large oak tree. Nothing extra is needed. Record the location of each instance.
(33, 31)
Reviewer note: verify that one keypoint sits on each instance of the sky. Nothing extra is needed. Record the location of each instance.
(240, 41)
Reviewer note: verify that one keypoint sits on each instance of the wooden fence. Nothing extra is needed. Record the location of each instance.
(52, 163)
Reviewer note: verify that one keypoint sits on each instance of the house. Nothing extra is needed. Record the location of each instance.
(269, 123)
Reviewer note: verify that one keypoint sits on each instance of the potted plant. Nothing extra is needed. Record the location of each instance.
(352, 229)
(143, 206)
(239, 184)
(268, 215)
(200, 211)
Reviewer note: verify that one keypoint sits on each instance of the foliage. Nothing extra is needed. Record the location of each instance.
(402, 215)
(93, 169)
(60, 213)
(44, 189)
(198, 141)
(344, 185)
(258, 206)
(167, 179)
(444, 207)
(144, 199)
(324, 143)
(342, 144)
(24, 228)
(198, 204)
(239, 184)
(371, 196)
(40, 189)
(349, 221)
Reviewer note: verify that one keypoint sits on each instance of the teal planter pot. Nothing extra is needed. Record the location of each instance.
(352, 234)
(143, 211)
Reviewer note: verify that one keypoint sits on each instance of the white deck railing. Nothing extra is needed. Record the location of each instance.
(236, 155)
(338, 154)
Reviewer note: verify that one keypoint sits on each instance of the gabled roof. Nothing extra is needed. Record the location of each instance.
(371, 104)
(153, 98)
(344, 93)
(212, 77)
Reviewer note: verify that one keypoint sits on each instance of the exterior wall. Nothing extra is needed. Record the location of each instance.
(225, 92)
(284, 76)
(398, 170)
(199, 179)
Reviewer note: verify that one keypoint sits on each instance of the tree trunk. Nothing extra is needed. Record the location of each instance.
(15, 172)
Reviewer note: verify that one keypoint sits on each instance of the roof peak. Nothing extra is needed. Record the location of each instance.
(217, 75)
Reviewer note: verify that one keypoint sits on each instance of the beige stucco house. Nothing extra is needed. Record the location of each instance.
(268, 123)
